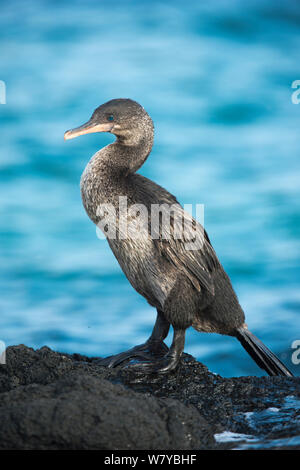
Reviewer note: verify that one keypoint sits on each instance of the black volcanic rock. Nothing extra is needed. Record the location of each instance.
(50, 400)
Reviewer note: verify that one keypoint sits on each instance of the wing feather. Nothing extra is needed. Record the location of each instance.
(191, 252)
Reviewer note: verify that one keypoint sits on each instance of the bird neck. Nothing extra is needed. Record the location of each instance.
(125, 157)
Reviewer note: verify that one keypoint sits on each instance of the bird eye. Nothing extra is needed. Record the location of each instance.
(110, 118)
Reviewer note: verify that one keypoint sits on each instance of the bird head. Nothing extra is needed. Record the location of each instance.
(123, 117)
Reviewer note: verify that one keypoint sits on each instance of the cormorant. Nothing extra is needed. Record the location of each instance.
(185, 283)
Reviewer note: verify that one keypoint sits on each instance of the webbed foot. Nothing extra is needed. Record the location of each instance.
(161, 366)
(147, 351)
(167, 363)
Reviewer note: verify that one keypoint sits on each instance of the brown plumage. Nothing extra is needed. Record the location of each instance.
(188, 287)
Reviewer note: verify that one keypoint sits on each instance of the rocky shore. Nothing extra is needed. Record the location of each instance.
(50, 400)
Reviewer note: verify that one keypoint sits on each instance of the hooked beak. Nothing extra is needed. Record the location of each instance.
(88, 128)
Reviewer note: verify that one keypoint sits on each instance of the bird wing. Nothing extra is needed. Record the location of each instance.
(190, 252)
(185, 243)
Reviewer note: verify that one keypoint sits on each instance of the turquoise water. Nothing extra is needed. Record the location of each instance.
(216, 78)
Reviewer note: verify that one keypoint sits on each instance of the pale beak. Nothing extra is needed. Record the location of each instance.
(88, 128)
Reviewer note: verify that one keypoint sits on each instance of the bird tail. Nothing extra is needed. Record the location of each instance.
(263, 357)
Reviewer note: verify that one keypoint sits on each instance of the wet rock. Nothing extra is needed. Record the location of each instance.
(51, 400)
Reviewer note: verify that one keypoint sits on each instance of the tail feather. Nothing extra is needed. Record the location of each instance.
(263, 357)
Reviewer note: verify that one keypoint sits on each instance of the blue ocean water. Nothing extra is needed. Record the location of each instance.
(216, 78)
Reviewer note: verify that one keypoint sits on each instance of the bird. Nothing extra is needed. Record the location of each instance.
(176, 271)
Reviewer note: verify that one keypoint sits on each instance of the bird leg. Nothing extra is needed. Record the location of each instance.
(170, 361)
(154, 347)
